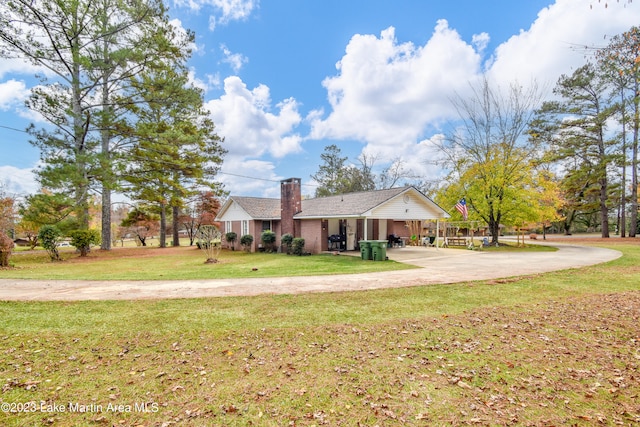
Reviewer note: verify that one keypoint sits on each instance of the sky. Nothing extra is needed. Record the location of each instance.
(283, 79)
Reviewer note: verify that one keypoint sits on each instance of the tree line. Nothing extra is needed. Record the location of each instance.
(517, 159)
(121, 112)
(124, 117)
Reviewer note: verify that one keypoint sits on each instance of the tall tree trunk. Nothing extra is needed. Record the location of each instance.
(107, 172)
(566, 224)
(604, 210)
(634, 163)
(105, 243)
(80, 127)
(176, 225)
(623, 196)
(494, 228)
(163, 225)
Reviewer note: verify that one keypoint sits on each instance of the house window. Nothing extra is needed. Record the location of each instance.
(245, 227)
(228, 227)
(266, 225)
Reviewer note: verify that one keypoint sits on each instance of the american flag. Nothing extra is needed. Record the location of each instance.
(461, 206)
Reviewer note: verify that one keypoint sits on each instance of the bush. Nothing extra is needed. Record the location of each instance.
(49, 237)
(83, 239)
(246, 242)
(298, 246)
(231, 237)
(6, 247)
(287, 241)
(210, 241)
(268, 239)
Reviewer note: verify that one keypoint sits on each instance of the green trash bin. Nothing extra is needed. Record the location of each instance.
(365, 249)
(379, 250)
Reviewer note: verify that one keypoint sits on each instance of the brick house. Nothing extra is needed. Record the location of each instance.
(326, 223)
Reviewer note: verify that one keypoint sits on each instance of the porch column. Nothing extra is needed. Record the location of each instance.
(366, 232)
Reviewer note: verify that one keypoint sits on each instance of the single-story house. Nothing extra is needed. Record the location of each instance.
(21, 242)
(326, 223)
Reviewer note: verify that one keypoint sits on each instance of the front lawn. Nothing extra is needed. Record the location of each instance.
(559, 348)
(183, 263)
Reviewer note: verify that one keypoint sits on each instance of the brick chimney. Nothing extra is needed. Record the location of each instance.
(290, 204)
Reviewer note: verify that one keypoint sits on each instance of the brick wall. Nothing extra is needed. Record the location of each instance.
(311, 229)
(290, 204)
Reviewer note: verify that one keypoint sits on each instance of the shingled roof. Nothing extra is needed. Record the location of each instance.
(343, 205)
(259, 207)
(349, 204)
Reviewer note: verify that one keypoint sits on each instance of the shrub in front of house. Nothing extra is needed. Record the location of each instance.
(298, 246)
(268, 239)
(231, 238)
(287, 242)
(246, 242)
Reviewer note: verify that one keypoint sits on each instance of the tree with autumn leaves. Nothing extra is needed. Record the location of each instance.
(7, 217)
(493, 165)
(590, 132)
(516, 159)
(201, 211)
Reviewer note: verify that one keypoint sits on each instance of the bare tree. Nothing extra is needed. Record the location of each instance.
(490, 158)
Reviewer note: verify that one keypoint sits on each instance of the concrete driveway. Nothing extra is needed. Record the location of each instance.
(437, 266)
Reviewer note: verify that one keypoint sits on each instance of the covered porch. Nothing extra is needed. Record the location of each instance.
(338, 223)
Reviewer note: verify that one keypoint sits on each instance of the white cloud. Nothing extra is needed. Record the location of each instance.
(18, 181)
(249, 127)
(386, 93)
(235, 60)
(12, 93)
(210, 81)
(480, 41)
(226, 10)
(19, 66)
(256, 177)
(389, 95)
(554, 44)
(181, 35)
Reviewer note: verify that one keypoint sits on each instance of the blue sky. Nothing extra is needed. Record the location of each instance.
(285, 78)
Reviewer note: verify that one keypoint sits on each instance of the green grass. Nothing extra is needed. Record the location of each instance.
(513, 246)
(182, 264)
(285, 311)
(552, 349)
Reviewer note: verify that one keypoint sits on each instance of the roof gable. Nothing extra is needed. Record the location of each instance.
(254, 207)
(260, 208)
(397, 203)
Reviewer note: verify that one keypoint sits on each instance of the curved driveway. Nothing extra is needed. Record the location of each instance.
(437, 266)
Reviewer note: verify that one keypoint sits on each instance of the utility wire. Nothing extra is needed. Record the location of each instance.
(260, 179)
(10, 128)
(219, 172)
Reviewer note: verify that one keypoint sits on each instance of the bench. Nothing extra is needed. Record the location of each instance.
(456, 241)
